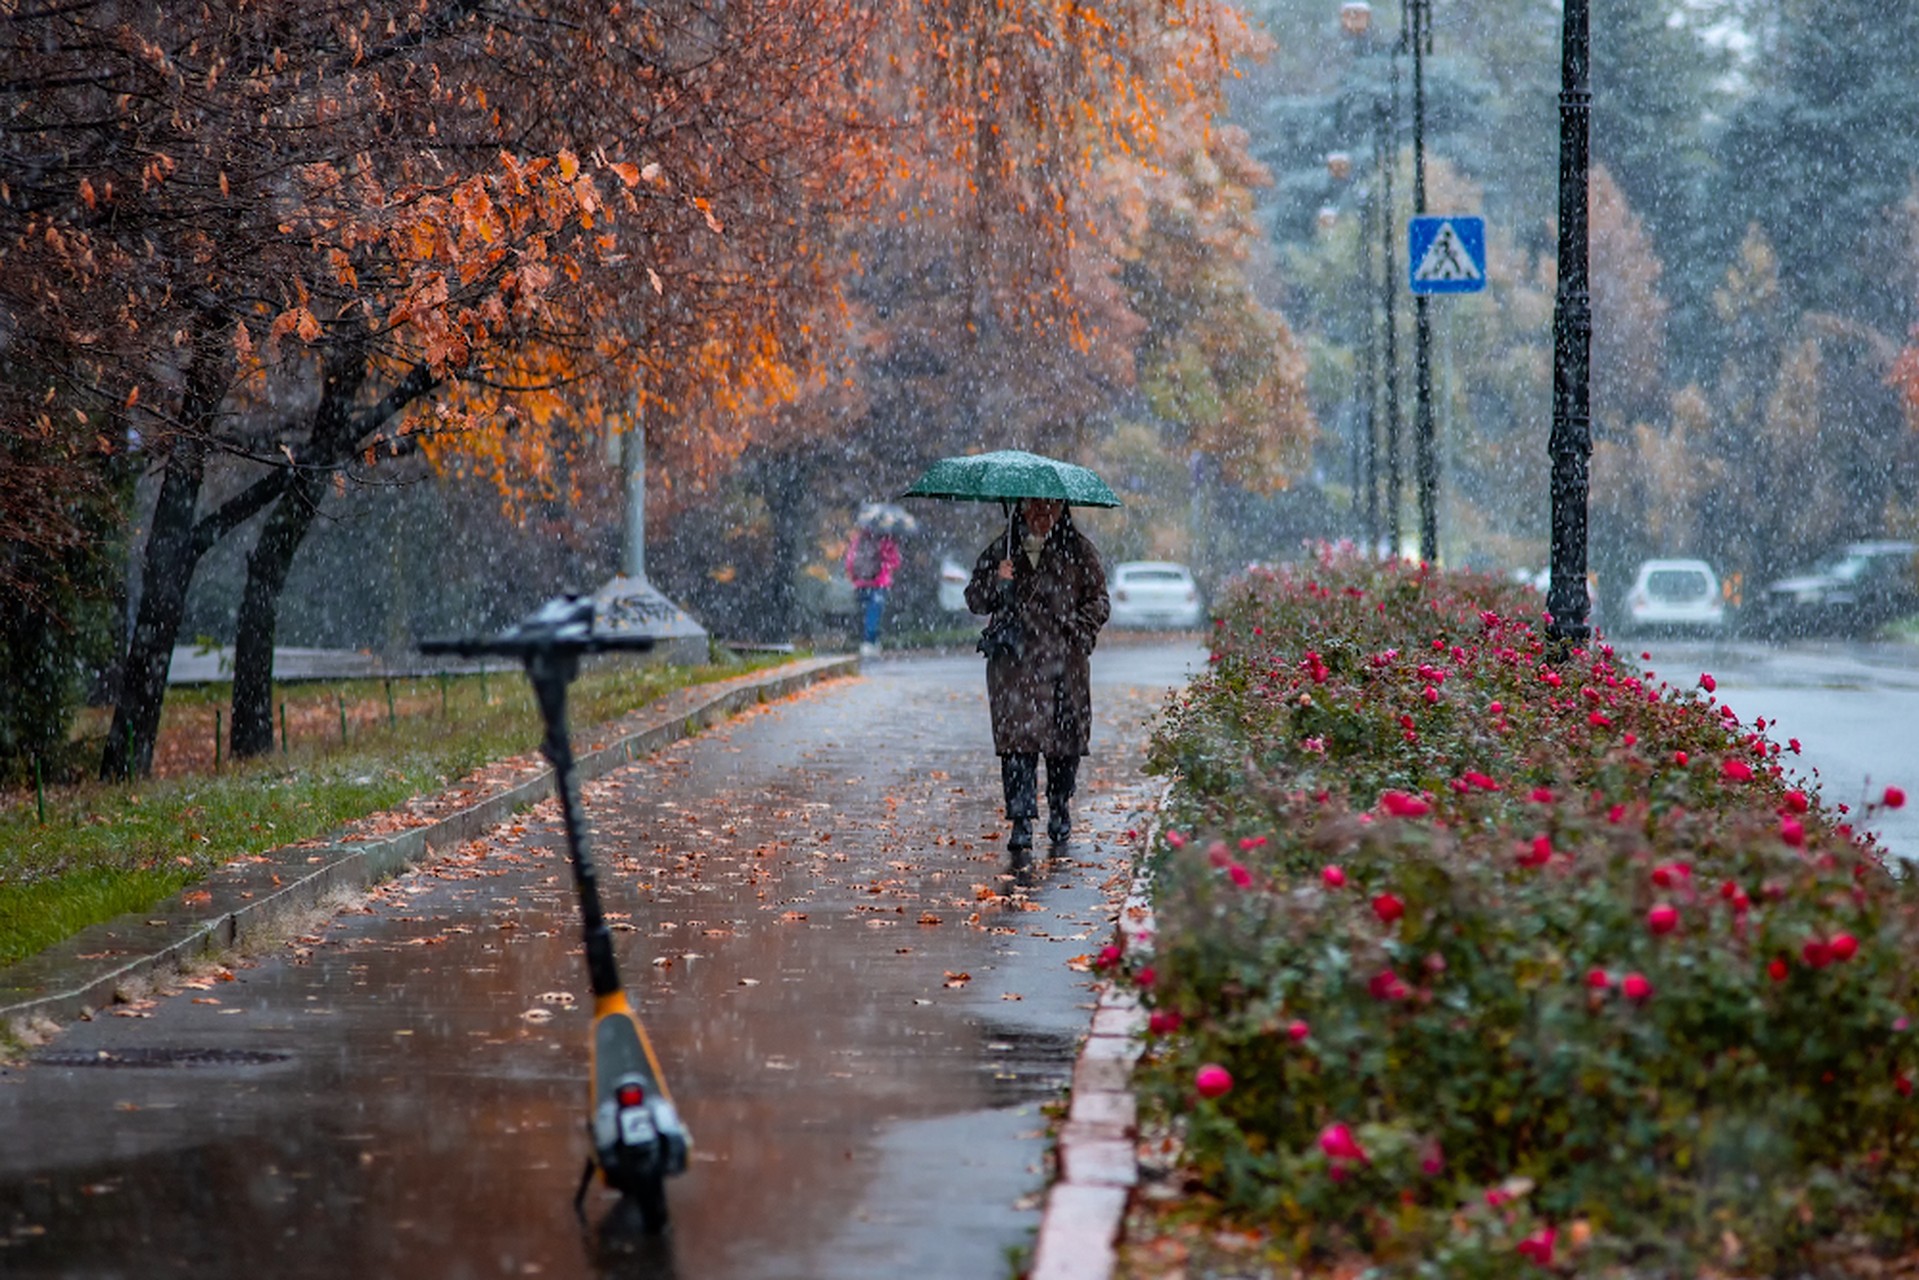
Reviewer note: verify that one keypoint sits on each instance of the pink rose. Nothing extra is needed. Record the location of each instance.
(1663, 918)
(1337, 1141)
(1635, 987)
(1213, 1081)
(1333, 876)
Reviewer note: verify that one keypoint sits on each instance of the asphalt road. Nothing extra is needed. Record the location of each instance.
(861, 1011)
(1852, 706)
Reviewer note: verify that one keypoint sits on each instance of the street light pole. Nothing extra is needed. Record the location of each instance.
(1417, 19)
(1387, 154)
(1368, 369)
(1571, 444)
(1355, 20)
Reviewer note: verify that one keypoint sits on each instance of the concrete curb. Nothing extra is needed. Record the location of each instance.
(245, 899)
(1098, 1162)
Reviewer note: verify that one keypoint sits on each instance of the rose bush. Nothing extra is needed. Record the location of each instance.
(1583, 974)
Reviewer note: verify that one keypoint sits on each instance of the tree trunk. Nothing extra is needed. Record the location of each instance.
(331, 442)
(267, 567)
(166, 572)
(792, 513)
(174, 548)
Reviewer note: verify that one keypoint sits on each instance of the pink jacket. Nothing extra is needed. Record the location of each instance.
(889, 560)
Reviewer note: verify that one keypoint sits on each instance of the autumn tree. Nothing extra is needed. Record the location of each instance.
(359, 212)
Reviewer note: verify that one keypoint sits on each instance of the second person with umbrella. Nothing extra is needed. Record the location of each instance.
(1044, 585)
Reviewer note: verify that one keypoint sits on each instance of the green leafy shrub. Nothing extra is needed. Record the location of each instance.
(1509, 957)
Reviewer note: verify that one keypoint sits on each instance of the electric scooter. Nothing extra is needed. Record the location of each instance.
(638, 1138)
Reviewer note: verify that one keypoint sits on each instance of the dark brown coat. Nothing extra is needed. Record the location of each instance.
(1042, 700)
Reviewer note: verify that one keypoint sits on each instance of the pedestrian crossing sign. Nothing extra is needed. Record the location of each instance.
(1447, 253)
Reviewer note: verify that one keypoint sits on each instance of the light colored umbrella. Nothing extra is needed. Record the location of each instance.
(887, 517)
(1009, 475)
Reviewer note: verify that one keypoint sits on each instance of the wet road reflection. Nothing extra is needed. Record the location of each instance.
(860, 1009)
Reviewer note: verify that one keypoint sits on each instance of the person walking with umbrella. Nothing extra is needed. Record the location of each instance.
(1043, 582)
(872, 557)
(1044, 585)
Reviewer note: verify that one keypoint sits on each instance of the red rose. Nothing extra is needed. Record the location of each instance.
(1895, 798)
(1635, 987)
(1663, 918)
(1388, 908)
(1298, 1030)
(1163, 1022)
(1599, 980)
(1816, 953)
(1679, 758)
(1387, 985)
(1213, 1080)
(1792, 831)
(1333, 876)
(1707, 683)
(1401, 805)
(1796, 801)
(1240, 875)
(1539, 1246)
(1843, 946)
(1337, 1141)
(1776, 969)
(1736, 771)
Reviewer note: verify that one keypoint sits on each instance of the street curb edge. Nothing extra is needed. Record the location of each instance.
(1098, 1165)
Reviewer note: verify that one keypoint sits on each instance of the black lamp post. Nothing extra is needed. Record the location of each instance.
(1571, 444)
(1417, 27)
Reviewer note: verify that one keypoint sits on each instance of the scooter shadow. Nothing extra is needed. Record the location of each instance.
(621, 1248)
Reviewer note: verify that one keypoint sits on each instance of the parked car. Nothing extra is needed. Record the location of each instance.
(953, 579)
(1542, 582)
(1674, 595)
(1154, 593)
(1859, 587)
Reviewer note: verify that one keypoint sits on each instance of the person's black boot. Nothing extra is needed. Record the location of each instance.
(1061, 773)
(1019, 779)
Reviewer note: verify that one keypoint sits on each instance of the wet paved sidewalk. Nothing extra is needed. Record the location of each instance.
(860, 1013)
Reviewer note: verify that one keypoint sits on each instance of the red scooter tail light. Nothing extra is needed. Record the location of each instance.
(630, 1095)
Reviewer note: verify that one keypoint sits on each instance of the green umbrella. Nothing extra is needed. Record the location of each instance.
(1008, 475)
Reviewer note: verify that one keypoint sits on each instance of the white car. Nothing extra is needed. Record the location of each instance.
(952, 590)
(1675, 595)
(1154, 593)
